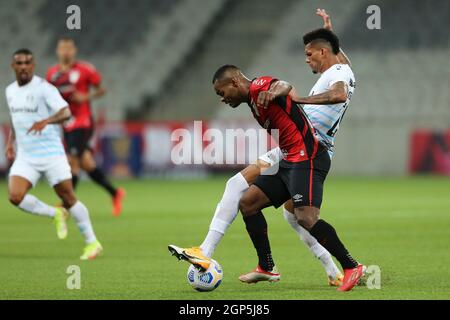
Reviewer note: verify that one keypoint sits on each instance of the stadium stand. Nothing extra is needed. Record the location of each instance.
(124, 39)
(401, 84)
(236, 36)
(157, 58)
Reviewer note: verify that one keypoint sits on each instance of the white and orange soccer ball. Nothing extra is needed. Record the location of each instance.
(207, 280)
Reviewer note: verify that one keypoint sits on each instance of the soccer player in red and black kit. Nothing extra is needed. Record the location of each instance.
(74, 79)
(300, 175)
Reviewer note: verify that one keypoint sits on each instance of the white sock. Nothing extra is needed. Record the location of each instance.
(226, 212)
(33, 205)
(81, 215)
(316, 248)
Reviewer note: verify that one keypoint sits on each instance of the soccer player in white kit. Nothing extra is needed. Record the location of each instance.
(336, 85)
(35, 146)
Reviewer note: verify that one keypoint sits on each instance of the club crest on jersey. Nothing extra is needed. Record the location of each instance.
(74, 76)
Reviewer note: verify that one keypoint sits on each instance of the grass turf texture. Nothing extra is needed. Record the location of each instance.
(400, 224)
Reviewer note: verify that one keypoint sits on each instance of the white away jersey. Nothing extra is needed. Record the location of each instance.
(35, 101)
(326, 118)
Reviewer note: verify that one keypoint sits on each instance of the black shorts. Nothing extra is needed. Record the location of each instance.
(77, 141)
(302, 182)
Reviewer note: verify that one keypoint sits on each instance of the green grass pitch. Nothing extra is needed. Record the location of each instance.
(400, 224)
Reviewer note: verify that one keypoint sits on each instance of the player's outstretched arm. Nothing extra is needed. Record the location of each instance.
(337, 94)
(10, 150)
(277, 89)
(98, 91)
(327, 25)
(59, 117)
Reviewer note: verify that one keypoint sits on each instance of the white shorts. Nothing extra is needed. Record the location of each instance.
(272, 156)
(55, 169)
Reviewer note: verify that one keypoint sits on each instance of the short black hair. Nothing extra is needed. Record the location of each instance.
(23, 51)
(221, 71)
(325, 35)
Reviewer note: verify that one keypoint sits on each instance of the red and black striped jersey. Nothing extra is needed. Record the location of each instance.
(296, 136)
(80, 77)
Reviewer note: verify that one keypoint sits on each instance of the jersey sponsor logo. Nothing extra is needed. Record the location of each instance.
(24, 109)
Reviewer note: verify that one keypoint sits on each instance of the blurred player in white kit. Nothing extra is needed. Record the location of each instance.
(34, 144)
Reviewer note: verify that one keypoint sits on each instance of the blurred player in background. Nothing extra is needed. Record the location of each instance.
(35, 146)
(74, 79)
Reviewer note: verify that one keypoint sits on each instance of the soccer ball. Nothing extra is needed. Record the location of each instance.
(205, 280)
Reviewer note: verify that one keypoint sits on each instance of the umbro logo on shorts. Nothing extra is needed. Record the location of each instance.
(298, 198)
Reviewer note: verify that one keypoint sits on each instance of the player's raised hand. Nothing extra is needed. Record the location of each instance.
(326, 19)
(38, 127)
(265, 98)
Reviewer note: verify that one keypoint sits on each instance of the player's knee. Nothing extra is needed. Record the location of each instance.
(16, 198)
(87, 161)
(68, 198)
(304, 222)
(75, 170)
(306, 218)
(246, 207)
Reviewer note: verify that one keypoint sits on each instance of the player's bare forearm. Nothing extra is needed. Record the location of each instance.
(280, 89)
(343, 59)
(62, 115)
(327, 25)
(10, 151)
(79, 97)
(11, 136)
(99, 91)
(277, 89)
(59, 117)
(336, 94)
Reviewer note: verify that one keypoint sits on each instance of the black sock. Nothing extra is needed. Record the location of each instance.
(75, 180)
(257, 229)
(101, 179)
(328, 238)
